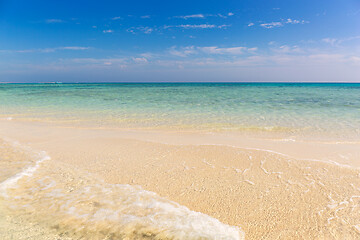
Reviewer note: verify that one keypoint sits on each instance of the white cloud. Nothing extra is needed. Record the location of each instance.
(270, 66)
(54, 21)
(294, 21)
(271, 25)
(146, 16)
(116, 18)
(351, 38)
(183, 52)
(73, 48)
(146, 30)
(282, 23)
(226, 15)
(220, 15)
(232, 50)
(278, 60)
(223, 26)
(190, 50)
(139, 59)
(104, 61)
(108, 31)
(147, 55)
(47, 50)
(197, 26)
(250, 24)
(191, 16)
(355, 60)
(288, 49)
(331, 41)
(119, 63)
(336, 41)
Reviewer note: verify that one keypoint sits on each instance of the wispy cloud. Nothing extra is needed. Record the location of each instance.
(146, 16)
(221, 63)
(116, 18)
(191, 50)
(222, 15)
(191, 16)
(282, 23)
(294, 21)
(183, 52)
(108, 62)
(231, 50)
(139, 59)
(108, 31)
(146, 30)
(54, 21)
(272, 24)
(46, 50)
(197, 26)
(200, 15)
(119, 63)
(73, 48)
(337, 41)
(250, 24)
(288, 49)
(331, 41)
(147, 55)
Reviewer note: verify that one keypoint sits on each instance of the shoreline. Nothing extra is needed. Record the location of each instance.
(301, 149)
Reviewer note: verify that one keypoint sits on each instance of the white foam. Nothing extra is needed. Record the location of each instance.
(29, 171)
(281, 154)
(113, 208)
(7, 118)
(125, 207)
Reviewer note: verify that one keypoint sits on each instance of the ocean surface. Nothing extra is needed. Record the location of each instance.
(294, 109)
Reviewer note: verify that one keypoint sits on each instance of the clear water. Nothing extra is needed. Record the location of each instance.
(276, 107)
(80, 206)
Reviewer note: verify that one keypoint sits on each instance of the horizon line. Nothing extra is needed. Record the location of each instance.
(162, 82)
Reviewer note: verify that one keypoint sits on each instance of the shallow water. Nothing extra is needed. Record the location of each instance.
(82, 207)
(295, 109)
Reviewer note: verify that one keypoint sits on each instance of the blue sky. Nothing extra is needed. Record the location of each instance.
(243, 40)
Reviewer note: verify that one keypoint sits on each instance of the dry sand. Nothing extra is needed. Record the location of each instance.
(268, 194)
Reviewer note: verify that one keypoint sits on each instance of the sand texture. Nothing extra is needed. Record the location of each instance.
(265, 194)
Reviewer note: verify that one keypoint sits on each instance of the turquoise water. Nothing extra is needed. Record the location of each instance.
(286, 107)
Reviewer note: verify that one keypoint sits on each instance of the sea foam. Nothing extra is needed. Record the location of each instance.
(91, 209)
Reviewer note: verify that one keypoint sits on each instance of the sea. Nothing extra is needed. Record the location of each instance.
(291, 109)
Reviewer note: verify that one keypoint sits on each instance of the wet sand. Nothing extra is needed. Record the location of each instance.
(286, 190)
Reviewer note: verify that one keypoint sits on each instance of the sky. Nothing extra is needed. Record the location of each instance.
(180, 41)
